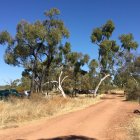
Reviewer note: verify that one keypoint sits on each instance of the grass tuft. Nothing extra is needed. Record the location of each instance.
(134, 129)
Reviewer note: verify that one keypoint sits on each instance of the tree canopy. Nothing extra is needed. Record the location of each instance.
(41, 48)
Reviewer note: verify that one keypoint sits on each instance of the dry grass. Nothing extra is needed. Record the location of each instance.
(116, 91)
(134, 129)
(17, 111)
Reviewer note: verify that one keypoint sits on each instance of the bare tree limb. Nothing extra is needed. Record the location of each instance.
(50, 82)
(63, 79)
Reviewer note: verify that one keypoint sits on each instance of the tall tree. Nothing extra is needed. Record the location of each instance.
(107, 49)
(69, 64)
(126, 59)
(35, 45)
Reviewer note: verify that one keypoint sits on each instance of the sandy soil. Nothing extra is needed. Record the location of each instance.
(106, 120)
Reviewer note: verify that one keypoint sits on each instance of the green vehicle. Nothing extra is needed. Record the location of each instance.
(4, 94)
(14, 92)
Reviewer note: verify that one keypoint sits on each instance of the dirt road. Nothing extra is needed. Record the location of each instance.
(103, 121)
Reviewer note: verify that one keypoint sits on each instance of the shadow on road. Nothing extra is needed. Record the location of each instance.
(70, 137)
(125, 100)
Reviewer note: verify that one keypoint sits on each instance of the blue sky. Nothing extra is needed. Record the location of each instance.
(80, 17)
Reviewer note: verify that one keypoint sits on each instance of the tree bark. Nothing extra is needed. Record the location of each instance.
(32, 82)
(96, 89)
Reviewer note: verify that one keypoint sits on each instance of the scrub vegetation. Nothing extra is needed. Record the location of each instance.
(50, 66)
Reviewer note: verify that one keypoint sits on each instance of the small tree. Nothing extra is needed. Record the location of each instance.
(128, 78)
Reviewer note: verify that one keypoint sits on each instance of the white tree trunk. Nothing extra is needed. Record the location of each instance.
(59, 84)
(62, 91)
(134, 80)
(96, 89)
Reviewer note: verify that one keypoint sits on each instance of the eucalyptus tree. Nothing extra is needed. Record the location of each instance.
(93, 65)
(110, 54)
(129, 71)
(126, 59)
(136, 69)
(59, 67)
(78, 60)
(74, 62)
(68, 65)
(35, 45)
(107, 49)
(56, 32)
(93, 73)
(26, 48)
(128, 45)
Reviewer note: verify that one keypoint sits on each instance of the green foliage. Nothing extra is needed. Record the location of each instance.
(128, 78)
(39, 49)
(108, 29)
(103, 33)
(96, 35)
(113, 57)
(107, 48)
(67, 48)
(133, 91)
(35, 45)
(25, 83)
(128, 42)
(93, 66)
(11, 59)
(52, 12)
(85, 82)
(5, 37)
(86, 58)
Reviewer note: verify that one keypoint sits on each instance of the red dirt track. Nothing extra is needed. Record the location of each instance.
(105, 120)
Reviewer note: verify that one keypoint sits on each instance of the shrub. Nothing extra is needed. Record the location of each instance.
(133, 93)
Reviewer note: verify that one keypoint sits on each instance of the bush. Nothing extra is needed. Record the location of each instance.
(133, 93)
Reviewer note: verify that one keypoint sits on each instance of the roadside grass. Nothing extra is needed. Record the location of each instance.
(17, 111)
(134, 129)
(117, 91)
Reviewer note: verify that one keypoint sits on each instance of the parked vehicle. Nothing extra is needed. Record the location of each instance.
(14, 92)
(4, 94)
